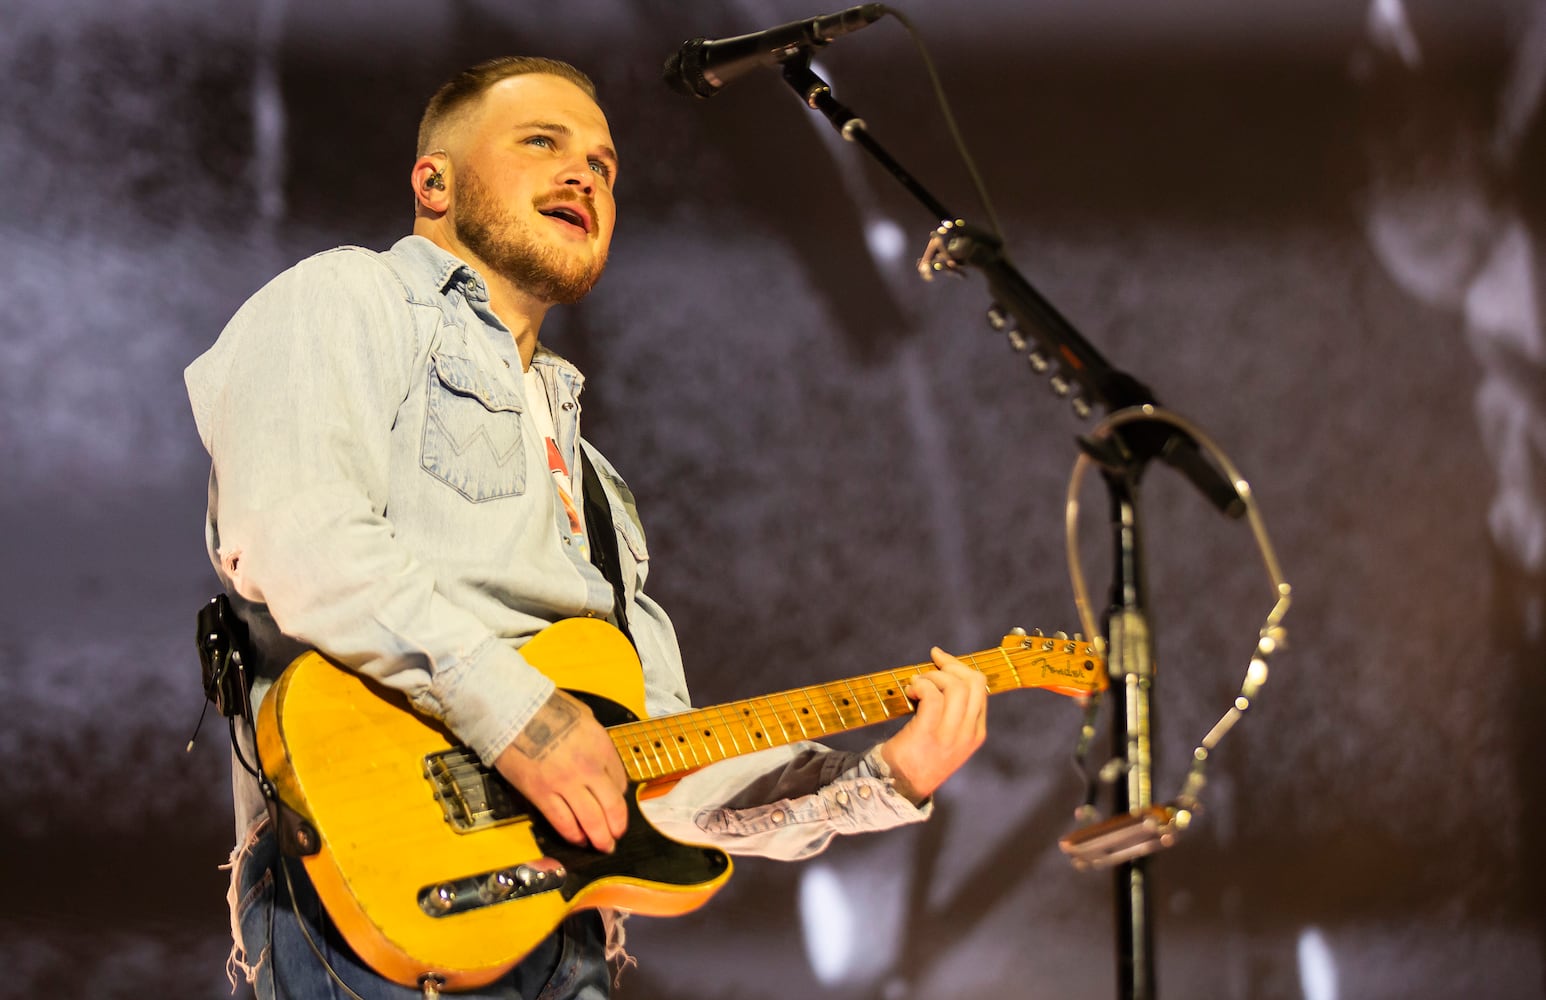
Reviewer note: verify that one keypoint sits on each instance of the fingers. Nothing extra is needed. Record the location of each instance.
(593, 794)
(566, 766)
(558, 814)
(594, 808)
(952, 701)
(588, 813)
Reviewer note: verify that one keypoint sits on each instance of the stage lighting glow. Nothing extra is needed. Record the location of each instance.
(886, 240)
(1317, 968)
(828, 924)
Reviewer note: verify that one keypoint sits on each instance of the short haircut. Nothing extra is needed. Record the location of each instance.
(462, 91)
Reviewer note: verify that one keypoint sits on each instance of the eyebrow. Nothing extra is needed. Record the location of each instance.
(559, 128)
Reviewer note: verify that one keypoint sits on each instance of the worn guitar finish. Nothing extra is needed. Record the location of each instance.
(431, 865)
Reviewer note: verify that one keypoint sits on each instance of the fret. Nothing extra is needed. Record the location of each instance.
(894, 700)
(629, 742)
(767, 732)
(1012, 669)
(795, 714)
(874, 683)
(671, 746)
(987, 677)
(761, 732)
(810, 699)
(679, 744)
(660, 747)
(842, 717)
(863, 718)
(693, 744)
(691, 738)
(684, 746)
(654, 748)
(725, 723)
(721, 743)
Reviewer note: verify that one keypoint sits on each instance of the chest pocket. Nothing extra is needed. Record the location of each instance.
(472, 431)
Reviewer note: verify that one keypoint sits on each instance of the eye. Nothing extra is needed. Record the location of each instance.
(541, 140)
(601, 168)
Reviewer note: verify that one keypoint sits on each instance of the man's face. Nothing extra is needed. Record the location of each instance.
(533, 195)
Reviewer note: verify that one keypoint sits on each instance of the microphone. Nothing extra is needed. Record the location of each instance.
(701, 67)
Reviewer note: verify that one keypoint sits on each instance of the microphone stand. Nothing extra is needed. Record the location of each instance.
(1089, 380)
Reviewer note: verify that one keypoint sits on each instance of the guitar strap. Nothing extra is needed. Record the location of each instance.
(603, 541)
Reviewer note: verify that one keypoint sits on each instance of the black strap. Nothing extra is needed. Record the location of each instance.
(603, 541)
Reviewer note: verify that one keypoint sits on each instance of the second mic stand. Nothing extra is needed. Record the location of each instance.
(1089, 380)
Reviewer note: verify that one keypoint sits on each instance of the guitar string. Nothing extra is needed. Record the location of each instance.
(667, 735)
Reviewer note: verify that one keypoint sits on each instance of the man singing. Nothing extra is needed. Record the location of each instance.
(398, 482)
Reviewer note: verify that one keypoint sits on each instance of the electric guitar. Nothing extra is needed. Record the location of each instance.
(433, 866)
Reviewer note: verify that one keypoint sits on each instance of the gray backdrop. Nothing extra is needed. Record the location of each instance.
(1313, 228)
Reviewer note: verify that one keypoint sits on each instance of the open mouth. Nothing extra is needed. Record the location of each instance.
(566, 213)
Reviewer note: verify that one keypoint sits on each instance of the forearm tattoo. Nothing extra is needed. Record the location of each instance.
(547, 727)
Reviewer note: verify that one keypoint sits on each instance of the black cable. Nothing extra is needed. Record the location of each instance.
(950, 123)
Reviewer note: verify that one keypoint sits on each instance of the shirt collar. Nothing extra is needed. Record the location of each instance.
(446, 269)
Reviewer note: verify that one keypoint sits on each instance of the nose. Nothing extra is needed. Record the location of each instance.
(578, 174)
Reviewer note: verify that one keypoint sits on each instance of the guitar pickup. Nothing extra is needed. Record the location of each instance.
(474, 892)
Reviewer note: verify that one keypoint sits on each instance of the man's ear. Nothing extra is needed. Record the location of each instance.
(430, 180)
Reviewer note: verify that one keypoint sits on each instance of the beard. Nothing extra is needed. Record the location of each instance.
(510, 248)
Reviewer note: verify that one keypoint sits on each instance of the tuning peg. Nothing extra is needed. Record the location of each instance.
(1060, 635)
(1017, 630)
(1060, 385)
(998, 319)
(1038, 361)
(1017, 341)
(1081, 408)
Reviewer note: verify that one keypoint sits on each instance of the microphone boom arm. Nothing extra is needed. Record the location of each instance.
(1081, 371)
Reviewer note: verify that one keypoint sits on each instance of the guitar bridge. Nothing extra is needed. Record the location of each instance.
(472, 797)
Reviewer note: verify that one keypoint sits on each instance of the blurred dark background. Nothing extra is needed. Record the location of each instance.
(1314, 228)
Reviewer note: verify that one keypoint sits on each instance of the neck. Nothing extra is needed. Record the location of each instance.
(520, 311)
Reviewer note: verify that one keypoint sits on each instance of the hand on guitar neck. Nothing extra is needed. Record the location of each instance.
(566, 765)
(947, 727)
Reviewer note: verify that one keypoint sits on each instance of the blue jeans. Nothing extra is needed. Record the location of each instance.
(569, 965)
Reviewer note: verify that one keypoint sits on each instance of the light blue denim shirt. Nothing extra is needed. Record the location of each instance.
(379, 492)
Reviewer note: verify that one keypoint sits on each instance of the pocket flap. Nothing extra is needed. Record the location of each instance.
(632, 536)
(465, 377)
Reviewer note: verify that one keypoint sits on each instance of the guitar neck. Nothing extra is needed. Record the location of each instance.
(664, 749)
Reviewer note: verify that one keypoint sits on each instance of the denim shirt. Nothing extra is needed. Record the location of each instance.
(379, 492)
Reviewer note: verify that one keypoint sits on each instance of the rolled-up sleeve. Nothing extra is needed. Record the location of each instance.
(785, 803)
